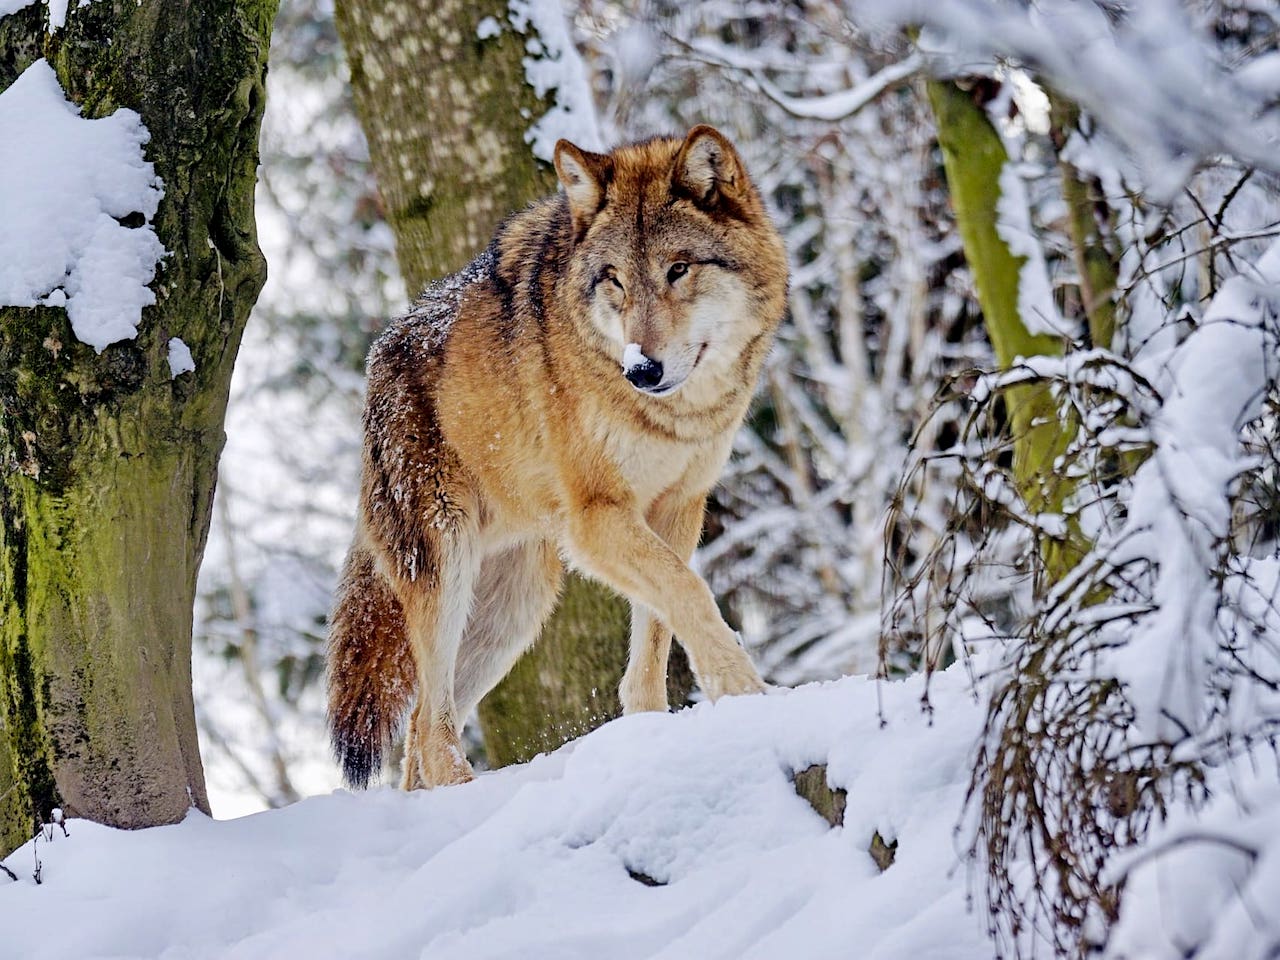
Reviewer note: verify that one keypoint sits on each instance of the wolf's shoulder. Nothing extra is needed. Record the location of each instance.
(421, 332)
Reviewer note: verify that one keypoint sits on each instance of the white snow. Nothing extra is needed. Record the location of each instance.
(633, 356)
(180, 359)
(1036, 306)
(532, 862)
(555, 69)
(636, 52)
(65, 183)
(1210, 881)
(487, 28)
(13, 6)
(837, 106)
(1181, 505)
(1151, 78)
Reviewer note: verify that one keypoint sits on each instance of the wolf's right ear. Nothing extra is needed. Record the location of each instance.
(584, 176)
(709, 170)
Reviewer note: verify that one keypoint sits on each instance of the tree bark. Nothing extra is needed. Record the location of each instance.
(107, 463)
(973, 156)
(445, 113)
(1091, 223)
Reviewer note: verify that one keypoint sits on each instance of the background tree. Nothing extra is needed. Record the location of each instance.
(107, 461)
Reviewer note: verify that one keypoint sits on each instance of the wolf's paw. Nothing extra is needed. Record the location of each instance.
(448, 766)
(442, 761)
(642, 698)
(733, 676)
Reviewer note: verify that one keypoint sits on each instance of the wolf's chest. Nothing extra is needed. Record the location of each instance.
(648, 464)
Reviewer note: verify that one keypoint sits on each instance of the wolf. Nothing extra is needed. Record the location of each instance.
(570, 396)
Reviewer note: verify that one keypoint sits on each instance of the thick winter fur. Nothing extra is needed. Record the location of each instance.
(503, 439)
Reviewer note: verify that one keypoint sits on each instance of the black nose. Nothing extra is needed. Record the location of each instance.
(645, 375)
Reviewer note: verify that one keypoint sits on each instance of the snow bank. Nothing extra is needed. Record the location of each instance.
(532, 862)
(67, 187)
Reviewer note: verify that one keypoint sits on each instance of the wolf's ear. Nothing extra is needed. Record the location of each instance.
(584, 177)
(709, 169)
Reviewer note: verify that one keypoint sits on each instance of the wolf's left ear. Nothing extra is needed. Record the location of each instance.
(709, 168)
(584, 176)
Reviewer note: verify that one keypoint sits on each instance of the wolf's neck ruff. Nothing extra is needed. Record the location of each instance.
(573, 393)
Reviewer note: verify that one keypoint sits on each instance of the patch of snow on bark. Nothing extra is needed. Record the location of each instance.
(1036, 307)
(180, 359)
(66, 185)
(555, 71)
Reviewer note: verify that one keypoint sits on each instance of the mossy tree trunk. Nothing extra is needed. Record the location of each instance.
(1091, 224)
(445, 113)
(107, 463)
(974, 155)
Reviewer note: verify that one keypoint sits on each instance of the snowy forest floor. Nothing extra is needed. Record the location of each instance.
(559, 858)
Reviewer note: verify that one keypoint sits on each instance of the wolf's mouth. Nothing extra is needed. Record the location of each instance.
(663, 389)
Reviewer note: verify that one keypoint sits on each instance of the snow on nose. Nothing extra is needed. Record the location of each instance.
(632, 357)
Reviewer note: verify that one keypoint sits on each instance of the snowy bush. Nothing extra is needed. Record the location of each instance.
(1141, 653)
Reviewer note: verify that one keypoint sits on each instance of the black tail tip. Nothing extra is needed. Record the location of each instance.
(358, 758)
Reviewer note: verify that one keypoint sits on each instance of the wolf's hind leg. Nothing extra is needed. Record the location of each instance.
(411, 771)
(436, 610)
(515, 593)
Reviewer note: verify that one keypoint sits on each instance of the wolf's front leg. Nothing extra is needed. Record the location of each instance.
(613, 543)
(677, 519)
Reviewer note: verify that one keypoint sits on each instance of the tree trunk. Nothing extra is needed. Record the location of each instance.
(1091, 223)
(974, 156)
(107, 463)
(445, 113)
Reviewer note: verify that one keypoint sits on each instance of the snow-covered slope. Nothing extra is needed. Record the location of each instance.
(538, 861)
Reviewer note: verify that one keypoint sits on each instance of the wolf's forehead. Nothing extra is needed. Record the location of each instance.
(651, 227)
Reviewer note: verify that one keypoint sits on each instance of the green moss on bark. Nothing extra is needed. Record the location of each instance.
(974, 156)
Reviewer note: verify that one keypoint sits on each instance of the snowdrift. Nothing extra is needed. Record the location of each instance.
(676, 835)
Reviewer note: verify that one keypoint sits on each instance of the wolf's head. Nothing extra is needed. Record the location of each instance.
(675, 262)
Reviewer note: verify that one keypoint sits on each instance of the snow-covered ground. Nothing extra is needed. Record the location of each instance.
(533, 861)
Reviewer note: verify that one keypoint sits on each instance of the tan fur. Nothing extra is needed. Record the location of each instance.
(501, 436)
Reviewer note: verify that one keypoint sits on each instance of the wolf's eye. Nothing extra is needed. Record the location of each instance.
(677, 270)
(610, 275)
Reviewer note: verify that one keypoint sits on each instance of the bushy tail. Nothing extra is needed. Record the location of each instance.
(371, 672)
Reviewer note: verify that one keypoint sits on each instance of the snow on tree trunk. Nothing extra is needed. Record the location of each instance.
(108, 457)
